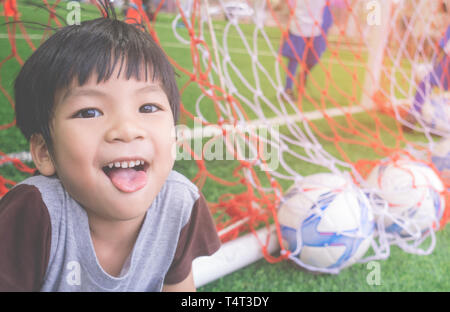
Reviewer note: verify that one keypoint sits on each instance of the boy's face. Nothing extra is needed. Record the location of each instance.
(117, 122)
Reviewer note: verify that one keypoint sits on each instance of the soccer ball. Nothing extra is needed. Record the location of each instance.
(413, 193)
(436, 113)
(326, 223)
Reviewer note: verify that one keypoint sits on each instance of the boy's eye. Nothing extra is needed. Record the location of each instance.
(88, 113)
(149, 108)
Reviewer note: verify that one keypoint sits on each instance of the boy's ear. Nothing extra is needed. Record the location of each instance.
(41, 156)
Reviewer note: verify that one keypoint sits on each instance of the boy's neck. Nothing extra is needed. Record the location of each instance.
(113, 241)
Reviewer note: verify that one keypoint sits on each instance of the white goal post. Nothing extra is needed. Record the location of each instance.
(233, 255)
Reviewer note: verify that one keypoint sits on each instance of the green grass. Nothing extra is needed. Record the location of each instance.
(400, 272)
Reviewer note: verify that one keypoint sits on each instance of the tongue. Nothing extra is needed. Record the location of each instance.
(128, 180)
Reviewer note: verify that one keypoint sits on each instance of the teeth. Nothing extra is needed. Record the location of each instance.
(125, 164)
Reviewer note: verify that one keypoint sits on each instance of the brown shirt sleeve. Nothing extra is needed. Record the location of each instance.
(197, 238)
(25, 238)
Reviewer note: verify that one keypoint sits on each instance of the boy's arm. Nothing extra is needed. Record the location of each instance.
(197, 238)
(25, 238)
(186, 285)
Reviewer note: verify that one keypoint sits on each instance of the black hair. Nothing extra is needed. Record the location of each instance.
(77, 52)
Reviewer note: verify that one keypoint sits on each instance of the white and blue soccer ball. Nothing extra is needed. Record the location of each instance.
(413, 194)
(326, 223)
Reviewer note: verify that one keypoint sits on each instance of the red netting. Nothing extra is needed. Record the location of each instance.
(354, 103)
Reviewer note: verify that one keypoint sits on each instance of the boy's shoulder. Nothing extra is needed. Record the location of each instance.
(51, 188)
(179, 193)
(25, 231)
(51, 183)
(177, 180)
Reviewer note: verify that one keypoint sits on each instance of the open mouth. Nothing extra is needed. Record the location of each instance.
(127, 177)
(107, 169)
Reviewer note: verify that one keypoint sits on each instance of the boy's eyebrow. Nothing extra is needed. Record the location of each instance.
(95, 92)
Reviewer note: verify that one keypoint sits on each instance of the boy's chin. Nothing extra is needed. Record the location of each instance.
(119, 206)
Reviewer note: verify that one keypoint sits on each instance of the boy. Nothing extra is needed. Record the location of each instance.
(98, 103)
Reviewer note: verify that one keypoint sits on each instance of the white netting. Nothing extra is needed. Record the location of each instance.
(246, 72)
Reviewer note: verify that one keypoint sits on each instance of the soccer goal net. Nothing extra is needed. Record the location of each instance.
(273, 91)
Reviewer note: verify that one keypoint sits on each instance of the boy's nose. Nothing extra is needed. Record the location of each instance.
(124, 130)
